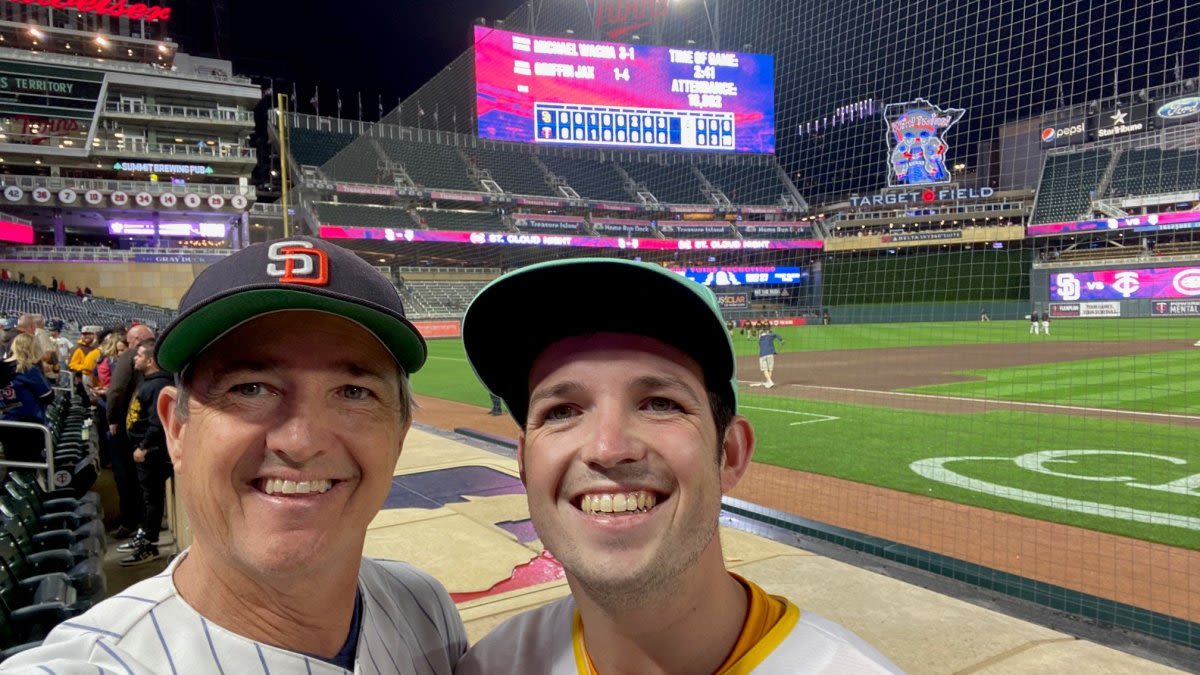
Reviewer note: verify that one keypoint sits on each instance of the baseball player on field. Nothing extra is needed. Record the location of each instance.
(290, 406)
(629, 437)
(766, 354)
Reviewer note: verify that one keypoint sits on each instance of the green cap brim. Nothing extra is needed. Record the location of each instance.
(185, 339)
(592, 295)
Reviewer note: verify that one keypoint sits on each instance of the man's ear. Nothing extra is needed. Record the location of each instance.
(738, 447)
(174, 425)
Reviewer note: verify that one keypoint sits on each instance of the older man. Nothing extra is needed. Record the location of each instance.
(284, 427)
(629, 436)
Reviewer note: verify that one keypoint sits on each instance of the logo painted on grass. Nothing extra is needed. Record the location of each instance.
(935, 469)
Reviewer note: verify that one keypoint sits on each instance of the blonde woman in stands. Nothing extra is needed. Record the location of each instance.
(25, 400)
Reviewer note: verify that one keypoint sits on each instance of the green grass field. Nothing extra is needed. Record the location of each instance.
(1151, 498)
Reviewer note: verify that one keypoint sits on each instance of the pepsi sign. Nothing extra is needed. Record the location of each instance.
(1180, 109)
(1073, 131)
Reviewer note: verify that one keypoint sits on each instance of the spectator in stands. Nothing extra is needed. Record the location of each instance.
(53, 283)
(84, 358)
(10, 332)
(79, 291)
(630, 435)
(45, 342)
(63, 349)
(4, 275)
(21, 277)
(284, 428)
(145, 430)
(124, 384)
(87, 290)
(25, 400)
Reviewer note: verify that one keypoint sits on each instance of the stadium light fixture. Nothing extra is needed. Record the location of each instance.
(36, 33)
(102, 41)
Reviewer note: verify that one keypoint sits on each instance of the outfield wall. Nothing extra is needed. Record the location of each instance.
(928, 311)
(926, 286)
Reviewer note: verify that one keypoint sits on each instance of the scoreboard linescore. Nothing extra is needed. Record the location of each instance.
(550, 90)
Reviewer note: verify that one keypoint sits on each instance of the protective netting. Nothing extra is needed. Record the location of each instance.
(976, 237)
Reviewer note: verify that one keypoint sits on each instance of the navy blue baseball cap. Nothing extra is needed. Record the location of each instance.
(598, 295)
(300, 273)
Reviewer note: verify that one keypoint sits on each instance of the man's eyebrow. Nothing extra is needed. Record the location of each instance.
(555, 391)
(652, 382)
(244, 365)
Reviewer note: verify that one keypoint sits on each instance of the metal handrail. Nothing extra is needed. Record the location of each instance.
(132, 186)
(138, 68)
(178, 111)
(127, 147)
(48, 465)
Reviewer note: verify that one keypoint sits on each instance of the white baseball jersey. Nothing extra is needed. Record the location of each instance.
(548, 640)
(408, 625)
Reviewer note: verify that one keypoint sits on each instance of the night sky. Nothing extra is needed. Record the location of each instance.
(383, 49)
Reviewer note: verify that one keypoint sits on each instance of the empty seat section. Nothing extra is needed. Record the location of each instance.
(312, 147)
(747, 183)
(592, 179)
(433, 299)
(1068, 182)
(358, 163)
(515, 172)
(459, 220)
(1148, 171)
(430, 165)
(671, 184)
(362, 215)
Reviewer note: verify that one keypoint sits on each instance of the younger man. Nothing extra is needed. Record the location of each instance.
(629, 436)
(149, 442)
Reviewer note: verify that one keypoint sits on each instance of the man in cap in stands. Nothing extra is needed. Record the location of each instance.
(290, 408)
(62, 348)
(86, 355)
(629, 436)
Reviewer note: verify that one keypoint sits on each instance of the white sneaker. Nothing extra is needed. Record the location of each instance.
(768, 385)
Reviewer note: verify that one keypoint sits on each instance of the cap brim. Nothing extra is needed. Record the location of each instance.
(573, 297)
(185, 339)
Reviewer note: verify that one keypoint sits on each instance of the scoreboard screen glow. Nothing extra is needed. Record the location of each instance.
(743, 276)
(1156, 283)
(536, 89)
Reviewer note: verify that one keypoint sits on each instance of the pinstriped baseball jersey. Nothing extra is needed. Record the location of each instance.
(549, 640)
(409, 625)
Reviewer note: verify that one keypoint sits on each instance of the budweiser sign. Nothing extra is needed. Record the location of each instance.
(615, 18)
(118, 8)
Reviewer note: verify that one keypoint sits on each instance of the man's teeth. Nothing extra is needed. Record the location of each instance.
(620, 502)
(279, 486)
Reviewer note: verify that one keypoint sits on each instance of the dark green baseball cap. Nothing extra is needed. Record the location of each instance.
(582, 296)
(299, 273)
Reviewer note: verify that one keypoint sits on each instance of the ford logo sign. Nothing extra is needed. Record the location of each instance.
(1180, 108)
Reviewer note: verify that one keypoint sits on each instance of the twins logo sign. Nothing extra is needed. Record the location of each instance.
(302, 263)
(918, 152)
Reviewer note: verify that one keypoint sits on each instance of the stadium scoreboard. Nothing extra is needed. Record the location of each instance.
(537, 89)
